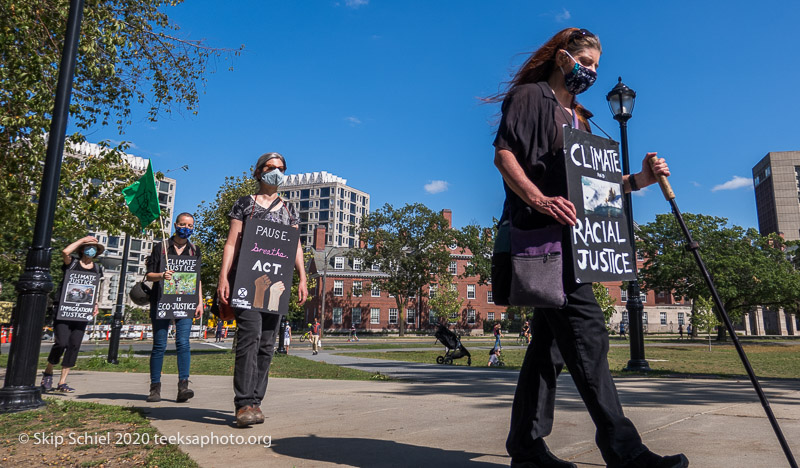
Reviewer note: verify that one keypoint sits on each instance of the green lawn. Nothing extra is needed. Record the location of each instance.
(768, 360)
(216, 362)
(125, 438)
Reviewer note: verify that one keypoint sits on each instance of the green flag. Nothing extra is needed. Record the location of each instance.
(142, 198)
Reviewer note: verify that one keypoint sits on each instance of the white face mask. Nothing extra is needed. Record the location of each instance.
(274, 177)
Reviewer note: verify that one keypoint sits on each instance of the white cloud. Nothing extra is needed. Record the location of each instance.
(733, 184)
(563, 16)
(641, 192)
(436, 186)
(355, 3)
(696, 184)
(353, 120)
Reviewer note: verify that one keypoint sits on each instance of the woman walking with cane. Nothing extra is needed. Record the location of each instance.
(529, 155)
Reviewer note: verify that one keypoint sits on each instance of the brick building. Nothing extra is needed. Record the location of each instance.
(353, 297)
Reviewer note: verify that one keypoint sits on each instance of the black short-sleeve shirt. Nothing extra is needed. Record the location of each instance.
(531, 129)
(245, 206)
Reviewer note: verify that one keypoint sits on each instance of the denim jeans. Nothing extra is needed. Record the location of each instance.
(160, 329)
(575, 336)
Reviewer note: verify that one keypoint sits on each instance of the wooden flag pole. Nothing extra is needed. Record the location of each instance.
(163, 240)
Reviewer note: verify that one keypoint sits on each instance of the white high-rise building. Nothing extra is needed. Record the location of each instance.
(323, 199)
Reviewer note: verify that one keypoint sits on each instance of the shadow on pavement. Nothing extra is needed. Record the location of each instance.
(375, 453)
(167, 413)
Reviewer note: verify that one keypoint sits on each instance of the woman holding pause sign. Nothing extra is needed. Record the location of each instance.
(257, 331)
(529, 154)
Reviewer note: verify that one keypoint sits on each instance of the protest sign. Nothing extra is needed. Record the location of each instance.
(78, 295)
(266, 264)
(601, 250)
(179, 295)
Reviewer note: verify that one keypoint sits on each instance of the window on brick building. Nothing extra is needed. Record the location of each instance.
(453, 268)
(357, 288)
(338, 288)
(376, 290)
(662, 317)
(489, 297)
(490, 316)
(355, 315)
(374, 315)
(337, 315)
(411, 316)
(393, 316)
(338, 263)
(470, 291)
(471, 316)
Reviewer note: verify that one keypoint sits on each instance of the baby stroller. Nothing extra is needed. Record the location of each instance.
(453, 347)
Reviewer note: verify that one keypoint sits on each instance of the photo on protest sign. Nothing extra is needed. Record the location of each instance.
(179, 294)
(601, 250)
(265, 267)
(78, 295)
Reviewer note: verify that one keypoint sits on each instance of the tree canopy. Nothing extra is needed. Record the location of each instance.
(748, 269)
(411, 246)
(130, 54)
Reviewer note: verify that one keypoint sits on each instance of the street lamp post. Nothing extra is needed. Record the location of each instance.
(19, 392)
(621, 100)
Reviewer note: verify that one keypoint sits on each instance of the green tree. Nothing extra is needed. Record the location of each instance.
(479, 241)
(604, 300)
(704, 317)
(129, 53)
(445, 301)
(410, 244)
(748, 269)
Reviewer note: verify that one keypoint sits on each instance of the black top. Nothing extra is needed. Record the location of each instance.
(154, 264)
(245, 206)
(531, 128)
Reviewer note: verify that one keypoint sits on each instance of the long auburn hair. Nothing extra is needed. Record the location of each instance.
(541, 64)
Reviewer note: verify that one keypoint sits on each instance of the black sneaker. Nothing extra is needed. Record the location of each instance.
(648, 459)
(544, 459)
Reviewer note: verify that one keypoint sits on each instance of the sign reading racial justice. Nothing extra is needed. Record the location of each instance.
(601, 250)
(77, 296)
(179, 296)
(266, 264)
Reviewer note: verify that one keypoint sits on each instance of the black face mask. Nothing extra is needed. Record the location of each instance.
(579, 79)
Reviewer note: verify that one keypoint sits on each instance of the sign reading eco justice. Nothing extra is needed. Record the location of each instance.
(78, 295)
(266, 264)
(179, 296)
(601, 250)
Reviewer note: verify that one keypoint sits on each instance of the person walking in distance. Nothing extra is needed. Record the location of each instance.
(497, 335)
(315, 336)
(529, 154)
(287, 337)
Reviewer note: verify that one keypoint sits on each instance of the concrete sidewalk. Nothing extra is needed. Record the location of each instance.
(447, 416)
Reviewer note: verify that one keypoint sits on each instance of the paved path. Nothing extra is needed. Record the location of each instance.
(451, 417)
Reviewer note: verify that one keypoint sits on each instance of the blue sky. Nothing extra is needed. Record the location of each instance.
(385, 94)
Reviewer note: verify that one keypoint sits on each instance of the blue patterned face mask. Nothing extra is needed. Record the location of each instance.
(184, 232)
(90, 251)
(579, 79)
(273, 177)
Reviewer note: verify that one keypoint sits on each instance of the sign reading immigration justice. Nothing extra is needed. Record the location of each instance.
(78, 295)
(179, 294)
(601, 250)
(266, 264)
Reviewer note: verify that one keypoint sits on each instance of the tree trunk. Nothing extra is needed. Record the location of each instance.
(400, 322)
(721, 330)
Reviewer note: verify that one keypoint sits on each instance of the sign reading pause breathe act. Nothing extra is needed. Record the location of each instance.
(179, 296)
(601, 250)
(78, 295)
(266, 264)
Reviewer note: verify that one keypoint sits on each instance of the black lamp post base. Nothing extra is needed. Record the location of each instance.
(637, 365)
(14, 399)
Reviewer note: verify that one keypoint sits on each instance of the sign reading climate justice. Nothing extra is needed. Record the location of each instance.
(601, 250)
(179, 296)
(266, 264)
(77, 296)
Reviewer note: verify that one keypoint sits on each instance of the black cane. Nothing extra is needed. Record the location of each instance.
(694, 247)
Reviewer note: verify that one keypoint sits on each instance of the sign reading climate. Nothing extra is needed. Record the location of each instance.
(266, 264)
(179, 296)
(601, 250)
(78, 295)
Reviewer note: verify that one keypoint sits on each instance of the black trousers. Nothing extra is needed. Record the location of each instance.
(575, 336)
(68, 336)
(255, 345)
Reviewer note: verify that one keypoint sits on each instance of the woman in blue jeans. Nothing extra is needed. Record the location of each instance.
(177, 245)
